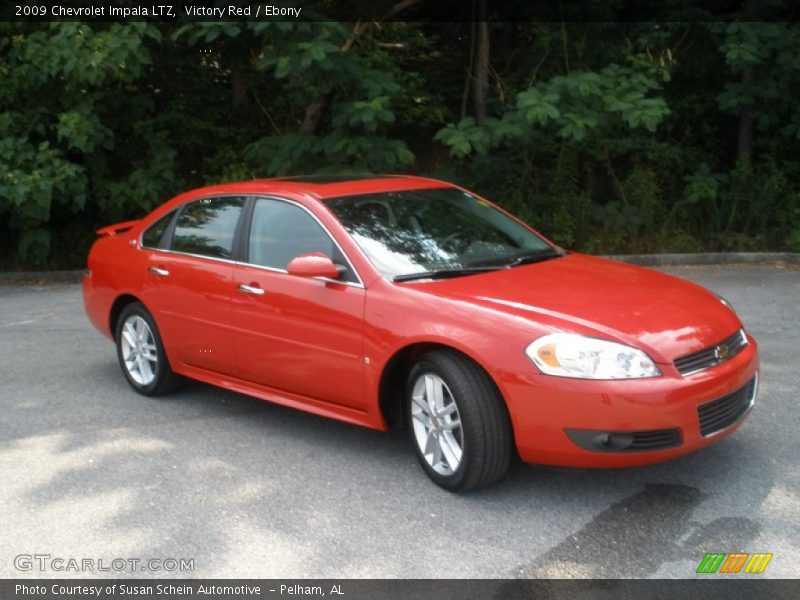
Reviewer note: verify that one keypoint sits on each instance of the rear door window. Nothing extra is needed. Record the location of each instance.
(207, 227)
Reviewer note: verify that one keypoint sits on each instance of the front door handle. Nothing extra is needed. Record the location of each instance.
(158, 271)
(251, 289)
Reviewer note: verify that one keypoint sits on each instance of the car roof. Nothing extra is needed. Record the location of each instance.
(324, 186)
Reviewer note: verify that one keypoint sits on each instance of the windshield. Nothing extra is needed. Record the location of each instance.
(446, 230)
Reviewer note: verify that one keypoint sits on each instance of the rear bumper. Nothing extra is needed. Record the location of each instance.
(547, 411)
(94, 305)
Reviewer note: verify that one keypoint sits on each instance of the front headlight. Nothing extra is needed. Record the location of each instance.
(573, 355)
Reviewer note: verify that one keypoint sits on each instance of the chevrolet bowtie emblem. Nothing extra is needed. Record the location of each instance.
(721, 351)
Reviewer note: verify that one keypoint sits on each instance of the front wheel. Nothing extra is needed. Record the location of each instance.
(141, 353)
(459, 424)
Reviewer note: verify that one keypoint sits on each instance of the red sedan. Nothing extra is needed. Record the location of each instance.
(388, 301)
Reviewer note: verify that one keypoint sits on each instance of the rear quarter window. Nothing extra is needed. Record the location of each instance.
(151, 237)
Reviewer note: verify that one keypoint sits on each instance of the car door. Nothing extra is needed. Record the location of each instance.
(190, 282)
(297, 334)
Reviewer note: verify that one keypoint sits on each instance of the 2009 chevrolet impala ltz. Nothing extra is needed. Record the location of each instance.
(402, 301)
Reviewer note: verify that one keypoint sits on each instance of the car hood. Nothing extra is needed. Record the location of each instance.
(662, 314)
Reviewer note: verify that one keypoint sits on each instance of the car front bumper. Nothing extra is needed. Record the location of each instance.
(582, 423)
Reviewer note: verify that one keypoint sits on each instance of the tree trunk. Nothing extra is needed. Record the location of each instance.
(312, 116)
(745, 150)
(317, 107)
(481, 80)
(238, 87)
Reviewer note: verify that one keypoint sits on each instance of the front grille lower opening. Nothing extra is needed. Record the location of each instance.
(723, 412)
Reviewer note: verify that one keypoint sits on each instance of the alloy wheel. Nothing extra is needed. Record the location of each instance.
(437, 423)
(139, 351)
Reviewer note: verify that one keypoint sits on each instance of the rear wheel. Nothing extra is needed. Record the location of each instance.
(141, 353)
(459, 424)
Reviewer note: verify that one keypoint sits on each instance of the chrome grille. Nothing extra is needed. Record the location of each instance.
(723, 412)
(712, 356)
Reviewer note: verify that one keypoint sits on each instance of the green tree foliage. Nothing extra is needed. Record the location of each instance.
(766, 57)
(633, 146)
(568, 107)
(61, 85)
(607, 136)
(320, 74)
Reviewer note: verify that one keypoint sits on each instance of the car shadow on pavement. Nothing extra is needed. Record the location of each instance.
(635, 536)
(248, 488)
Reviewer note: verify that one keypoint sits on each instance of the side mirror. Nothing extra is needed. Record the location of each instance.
(314, 264)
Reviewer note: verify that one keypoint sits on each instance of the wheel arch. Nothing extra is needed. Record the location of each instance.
(393, 378)
(119, 304)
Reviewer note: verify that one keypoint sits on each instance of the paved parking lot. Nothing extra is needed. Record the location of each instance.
(89, 469)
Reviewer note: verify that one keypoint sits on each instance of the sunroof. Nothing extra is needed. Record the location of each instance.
(332, 178)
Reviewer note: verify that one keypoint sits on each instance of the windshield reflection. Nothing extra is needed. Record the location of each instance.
(415, 231)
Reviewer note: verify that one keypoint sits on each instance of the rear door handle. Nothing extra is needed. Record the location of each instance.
(251, 289)
(158, 271)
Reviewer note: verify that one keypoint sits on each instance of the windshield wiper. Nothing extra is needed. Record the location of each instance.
(525, 259)
(534, 257)
(445, 273)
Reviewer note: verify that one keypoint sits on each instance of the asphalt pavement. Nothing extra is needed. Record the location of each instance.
(89, 469)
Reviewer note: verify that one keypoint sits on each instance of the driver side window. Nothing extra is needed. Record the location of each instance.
(280, 231)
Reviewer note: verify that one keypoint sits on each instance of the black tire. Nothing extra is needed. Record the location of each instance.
(485, 428)
(165, 380)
